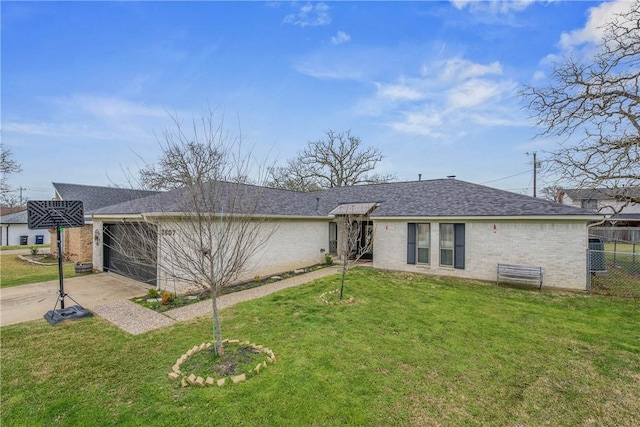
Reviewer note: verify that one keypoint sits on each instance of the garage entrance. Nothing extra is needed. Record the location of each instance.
(131, 250)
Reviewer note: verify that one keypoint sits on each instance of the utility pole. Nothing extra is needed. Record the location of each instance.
(21, 188)
(535, 167)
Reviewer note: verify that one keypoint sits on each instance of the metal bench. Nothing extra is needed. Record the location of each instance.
(519, 273)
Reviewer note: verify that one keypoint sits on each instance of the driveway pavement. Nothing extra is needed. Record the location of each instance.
(107, 295)
(31, 302)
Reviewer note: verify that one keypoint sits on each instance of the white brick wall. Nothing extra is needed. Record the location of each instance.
(293, 244)
(559, 247)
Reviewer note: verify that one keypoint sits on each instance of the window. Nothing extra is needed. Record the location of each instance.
(424, 236)
(333, 238)
(446, 244)
(452, 243)
(589, 204)
(418, 243)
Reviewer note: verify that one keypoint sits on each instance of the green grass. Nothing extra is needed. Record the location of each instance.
(14, 271)
(622, 247)
(11, 248)
(412, 350)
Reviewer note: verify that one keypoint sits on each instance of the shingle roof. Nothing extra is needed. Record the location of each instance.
(601, 193)
(15, 218)
(96, 197)
(428, 198)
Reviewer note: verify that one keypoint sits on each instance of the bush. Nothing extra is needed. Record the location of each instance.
(328, 260)
(167, 298)
(153, 293)
(34, 251)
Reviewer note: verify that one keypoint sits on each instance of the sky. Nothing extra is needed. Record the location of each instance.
(87, 88)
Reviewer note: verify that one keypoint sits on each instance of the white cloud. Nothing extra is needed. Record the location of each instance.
(336, 71)
(111, 107)
(446, 100)
(460, 69)
(85, 117)
(340, 37)
(425, 122)
(310, 14)
(592, 32)
(539, 76)
(492, 6)
(473, 93)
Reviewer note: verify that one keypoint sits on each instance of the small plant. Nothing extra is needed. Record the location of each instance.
(328, 259)
(256, 278)
(34, 251)
(153, 293)
(167, 298)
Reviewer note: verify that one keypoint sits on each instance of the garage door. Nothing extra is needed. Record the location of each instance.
(131, 250)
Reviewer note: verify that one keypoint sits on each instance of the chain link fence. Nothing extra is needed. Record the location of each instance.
(614, 268)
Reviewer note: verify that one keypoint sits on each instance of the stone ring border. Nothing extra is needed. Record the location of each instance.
(325, 298)
(191, 379)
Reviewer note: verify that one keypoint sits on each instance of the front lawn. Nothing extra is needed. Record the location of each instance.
(15, 272)
(411, 350)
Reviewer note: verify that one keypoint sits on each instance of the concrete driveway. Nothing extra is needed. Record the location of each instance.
(31, 302)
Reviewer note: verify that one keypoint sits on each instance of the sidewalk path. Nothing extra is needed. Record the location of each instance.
(136, 319)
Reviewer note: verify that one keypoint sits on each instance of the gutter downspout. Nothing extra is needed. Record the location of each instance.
(8, 225)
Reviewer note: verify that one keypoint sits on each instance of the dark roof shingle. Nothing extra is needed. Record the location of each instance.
(428, 198)
(96, 197)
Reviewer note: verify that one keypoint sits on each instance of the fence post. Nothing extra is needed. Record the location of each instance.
(588, 271)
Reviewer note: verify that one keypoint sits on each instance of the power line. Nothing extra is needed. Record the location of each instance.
(506, 177)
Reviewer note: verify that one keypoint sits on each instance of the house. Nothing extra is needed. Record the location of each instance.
(443, 227)
(77, 243)
(623, 217)
(611, 202)
(15, 231)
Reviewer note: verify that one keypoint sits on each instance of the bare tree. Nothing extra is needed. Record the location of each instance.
(339, 160)
(294, 176)
(595, 101)
(552, 193)
(208, 228)
(8, 166)
(185, 158)
(356, 233)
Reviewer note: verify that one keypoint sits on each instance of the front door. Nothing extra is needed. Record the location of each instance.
(366, 239)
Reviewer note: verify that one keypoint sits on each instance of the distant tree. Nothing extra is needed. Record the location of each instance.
(208, 227)
(186, 158)
(8, 166)
(596, 101)
(339, 160)
(552, 193)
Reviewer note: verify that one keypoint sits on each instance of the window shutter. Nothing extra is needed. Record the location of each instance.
(411, 243)
(458, 230)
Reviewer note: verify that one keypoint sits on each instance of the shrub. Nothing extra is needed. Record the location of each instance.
(34, 251)
(328, 260)
(153, 293)
(167, 298)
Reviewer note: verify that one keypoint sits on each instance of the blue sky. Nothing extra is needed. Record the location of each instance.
(87, 86)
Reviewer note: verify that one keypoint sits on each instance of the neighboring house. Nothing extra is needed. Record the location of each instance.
(441, 227)
(619, 213)
(77, 243)
(15, 231)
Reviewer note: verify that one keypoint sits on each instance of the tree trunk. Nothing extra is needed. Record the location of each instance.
(217, 330)
(344, 273)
